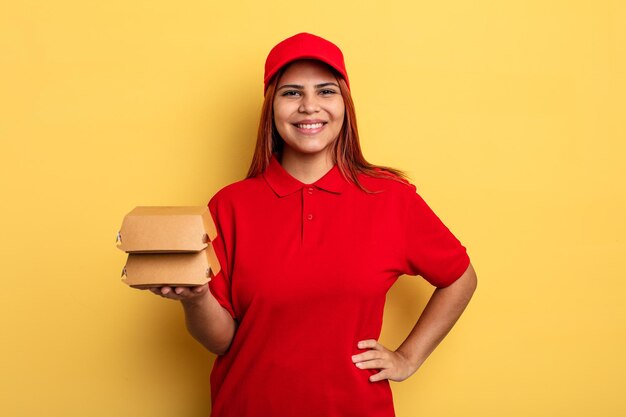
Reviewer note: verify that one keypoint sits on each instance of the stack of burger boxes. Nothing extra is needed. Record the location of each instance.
(168, 246)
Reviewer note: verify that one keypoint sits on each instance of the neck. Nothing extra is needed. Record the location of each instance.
(306, 168)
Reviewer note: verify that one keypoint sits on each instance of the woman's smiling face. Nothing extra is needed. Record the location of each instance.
(308, 108)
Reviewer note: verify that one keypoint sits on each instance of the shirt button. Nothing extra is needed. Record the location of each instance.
(310, 190)
(309, 217)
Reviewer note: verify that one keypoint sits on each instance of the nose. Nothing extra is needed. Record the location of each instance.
(309, 104)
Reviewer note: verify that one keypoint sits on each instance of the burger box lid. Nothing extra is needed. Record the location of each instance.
(166, 229)
(145, 270)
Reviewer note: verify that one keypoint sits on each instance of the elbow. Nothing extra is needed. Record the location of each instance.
(220, 348)
(218, 351)
(220, 345)
(473, 279)
(470, 281)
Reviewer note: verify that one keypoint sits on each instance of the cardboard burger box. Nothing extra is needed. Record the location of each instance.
(168, 246)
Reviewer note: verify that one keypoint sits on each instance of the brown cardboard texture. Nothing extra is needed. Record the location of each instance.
(145, 270)
(166, 229)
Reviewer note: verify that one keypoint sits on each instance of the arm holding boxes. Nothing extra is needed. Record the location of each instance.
(170, 253)
(207, 321)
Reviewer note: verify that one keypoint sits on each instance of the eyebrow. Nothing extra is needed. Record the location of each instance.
(301, 87)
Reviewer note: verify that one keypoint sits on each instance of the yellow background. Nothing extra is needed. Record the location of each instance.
(509, 117)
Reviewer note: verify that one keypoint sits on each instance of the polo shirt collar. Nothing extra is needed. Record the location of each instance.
(284, 184)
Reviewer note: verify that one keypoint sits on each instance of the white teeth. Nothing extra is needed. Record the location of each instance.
(310, 126)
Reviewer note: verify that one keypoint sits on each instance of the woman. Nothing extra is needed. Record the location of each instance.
(309, 244)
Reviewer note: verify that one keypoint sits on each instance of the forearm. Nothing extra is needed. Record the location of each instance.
(441, 313)
(209, 323)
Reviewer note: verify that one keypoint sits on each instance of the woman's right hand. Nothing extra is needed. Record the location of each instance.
(184, 294)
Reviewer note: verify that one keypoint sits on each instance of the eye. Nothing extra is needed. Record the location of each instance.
(290, 93)
(327, 92)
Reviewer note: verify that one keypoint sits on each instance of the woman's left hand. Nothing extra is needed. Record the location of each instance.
(394, 366)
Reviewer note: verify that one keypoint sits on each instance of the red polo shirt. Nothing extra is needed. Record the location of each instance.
(305, 271)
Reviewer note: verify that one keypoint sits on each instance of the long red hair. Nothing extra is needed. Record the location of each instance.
(346, 151)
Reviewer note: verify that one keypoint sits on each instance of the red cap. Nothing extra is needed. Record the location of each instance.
(304, 46)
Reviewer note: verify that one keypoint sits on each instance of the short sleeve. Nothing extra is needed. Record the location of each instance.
(220, 285)
(432, 251)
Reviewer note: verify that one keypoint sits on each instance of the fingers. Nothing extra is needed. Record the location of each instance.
(369, 344)
(376, 351)
(373, 364)
(179, 293)
(377, 357)
(366, 356)
(173, 292)
(384, 374)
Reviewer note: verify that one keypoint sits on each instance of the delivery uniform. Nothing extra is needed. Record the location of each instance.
(305, 272)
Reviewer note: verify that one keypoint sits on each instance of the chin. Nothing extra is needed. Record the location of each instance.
(306, 147)
(318, 149)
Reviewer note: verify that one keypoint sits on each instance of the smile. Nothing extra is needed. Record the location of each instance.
(309, 126)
